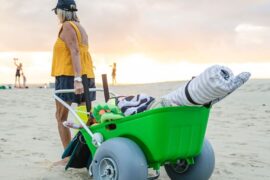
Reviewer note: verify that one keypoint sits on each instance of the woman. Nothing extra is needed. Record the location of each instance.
(114, 73)
(71, 60)
(24, 80)
(18, 73)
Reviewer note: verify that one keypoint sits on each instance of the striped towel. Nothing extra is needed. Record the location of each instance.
(133, 104)
(215, 83)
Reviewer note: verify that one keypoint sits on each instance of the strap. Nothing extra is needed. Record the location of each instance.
(61, 29)
(78, 32)
(207, 105)
(87, 100)
(188, 95)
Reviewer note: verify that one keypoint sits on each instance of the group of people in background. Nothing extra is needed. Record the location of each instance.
(19, 74)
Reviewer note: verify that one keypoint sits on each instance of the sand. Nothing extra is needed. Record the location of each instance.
(239, 130)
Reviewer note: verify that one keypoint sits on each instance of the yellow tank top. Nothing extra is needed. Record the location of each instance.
(62, 64)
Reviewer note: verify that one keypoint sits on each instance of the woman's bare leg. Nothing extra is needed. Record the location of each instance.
(19, 80)
(15, 81)
(61, 116)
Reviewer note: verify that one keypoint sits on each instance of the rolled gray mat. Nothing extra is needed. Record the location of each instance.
(212, 85)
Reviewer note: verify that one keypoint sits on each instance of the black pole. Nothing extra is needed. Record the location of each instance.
(86, 94)
(105, 87)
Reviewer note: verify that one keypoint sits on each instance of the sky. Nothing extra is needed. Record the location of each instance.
(151, 40)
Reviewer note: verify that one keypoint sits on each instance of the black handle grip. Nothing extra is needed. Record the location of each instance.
(86, 93)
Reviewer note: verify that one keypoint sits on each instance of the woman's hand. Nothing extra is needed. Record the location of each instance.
(78, 86)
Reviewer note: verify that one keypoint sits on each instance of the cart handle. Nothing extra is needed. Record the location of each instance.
(73, 112)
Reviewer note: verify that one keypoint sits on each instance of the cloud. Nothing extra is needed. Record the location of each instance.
(167, 28)
(251, 34)
(250, 28)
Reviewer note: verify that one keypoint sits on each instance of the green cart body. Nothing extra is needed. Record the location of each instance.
(164, 135)
(173, 137)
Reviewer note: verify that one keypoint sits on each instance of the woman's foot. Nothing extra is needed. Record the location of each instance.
(62, 162)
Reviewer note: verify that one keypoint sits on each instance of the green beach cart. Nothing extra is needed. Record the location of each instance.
(125, 149)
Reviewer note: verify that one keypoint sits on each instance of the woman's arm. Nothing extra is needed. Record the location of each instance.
(15, 62)
(69, 36)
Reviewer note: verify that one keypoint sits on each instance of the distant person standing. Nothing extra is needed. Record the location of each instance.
(24, 80)
(18, 73)
(114, 73)
(71, 60)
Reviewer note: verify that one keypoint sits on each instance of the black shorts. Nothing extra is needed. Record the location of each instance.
(67, 82)
(18, 73)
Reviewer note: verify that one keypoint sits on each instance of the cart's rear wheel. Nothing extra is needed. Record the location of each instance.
(202, 169)
(119, 159)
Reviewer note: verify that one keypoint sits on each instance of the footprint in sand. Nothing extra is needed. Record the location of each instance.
(3, 140)
(237, 164)
(41, 155)
(217, 171)
(249, 124)
(43, 138)
(30, 117)
(46, 164)
(50, 165)
(242, 144)
(256, 166)
(7, 153)
(22, 126)
(37, 139)
(10, 134)
(227, 172)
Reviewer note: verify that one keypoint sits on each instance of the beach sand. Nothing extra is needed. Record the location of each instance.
(238, 128)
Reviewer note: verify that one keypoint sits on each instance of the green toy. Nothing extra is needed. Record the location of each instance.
(107, 112)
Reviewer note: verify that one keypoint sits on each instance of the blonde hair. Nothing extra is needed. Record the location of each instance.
(67, 16)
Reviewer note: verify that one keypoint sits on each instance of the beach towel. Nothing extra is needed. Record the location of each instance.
(130, 105)
(212, 85)
(79, 153)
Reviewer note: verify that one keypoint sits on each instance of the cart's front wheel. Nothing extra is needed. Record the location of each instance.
(119, 159)
(202, 169)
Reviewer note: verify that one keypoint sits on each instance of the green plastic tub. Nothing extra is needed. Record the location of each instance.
(164, 134)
